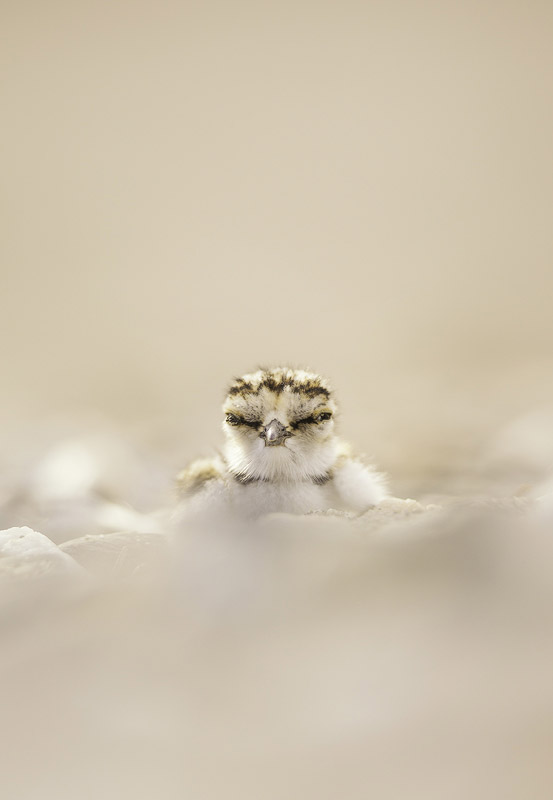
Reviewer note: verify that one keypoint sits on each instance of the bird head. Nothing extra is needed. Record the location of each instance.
(279, 425)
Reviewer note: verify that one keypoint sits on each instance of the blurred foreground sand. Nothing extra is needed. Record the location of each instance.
(404, 653)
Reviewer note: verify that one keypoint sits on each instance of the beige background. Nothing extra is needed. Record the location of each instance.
(190, 189)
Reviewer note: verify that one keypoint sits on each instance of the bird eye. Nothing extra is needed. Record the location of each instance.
(324, 416)
(232, 419)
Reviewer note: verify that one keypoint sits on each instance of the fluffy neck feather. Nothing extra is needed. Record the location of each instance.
(280, 464)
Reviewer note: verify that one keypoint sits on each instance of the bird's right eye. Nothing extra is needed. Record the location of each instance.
(232, 419)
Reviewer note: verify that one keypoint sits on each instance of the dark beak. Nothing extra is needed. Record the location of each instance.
(274, 434)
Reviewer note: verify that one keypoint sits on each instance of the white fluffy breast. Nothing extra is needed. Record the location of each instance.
(354, 488)
(266, 497)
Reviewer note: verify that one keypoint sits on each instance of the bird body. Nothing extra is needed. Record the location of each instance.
(281, 452)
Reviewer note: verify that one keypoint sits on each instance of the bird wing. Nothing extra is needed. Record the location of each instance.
(195, 476)
(358, 483)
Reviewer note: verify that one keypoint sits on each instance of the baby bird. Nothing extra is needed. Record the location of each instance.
(282, 453)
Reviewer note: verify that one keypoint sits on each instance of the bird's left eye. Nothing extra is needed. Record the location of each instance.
(324, 416)
(232, 419)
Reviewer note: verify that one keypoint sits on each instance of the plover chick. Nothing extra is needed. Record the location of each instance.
(281, 452)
